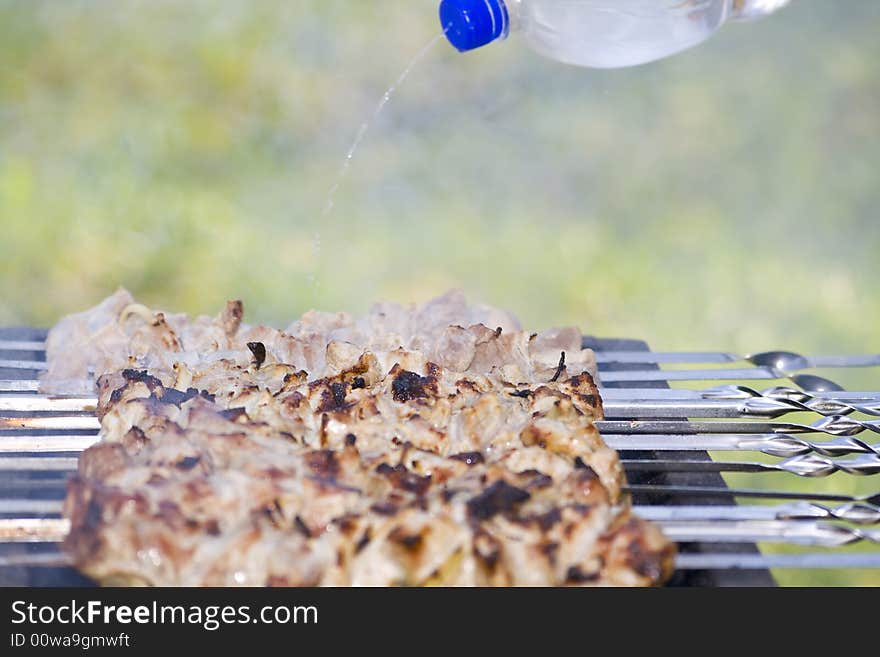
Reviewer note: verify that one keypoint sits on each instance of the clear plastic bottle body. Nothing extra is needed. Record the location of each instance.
(615, 33)
(595, 33)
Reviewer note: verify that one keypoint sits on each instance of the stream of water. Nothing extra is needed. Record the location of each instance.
(365, 126)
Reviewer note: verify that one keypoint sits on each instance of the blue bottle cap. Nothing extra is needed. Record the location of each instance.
(470, 24)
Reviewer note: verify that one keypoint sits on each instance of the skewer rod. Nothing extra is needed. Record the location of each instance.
(51, 530)
(709, 491)
(33, 530)
(614, 407)
(22, 345)
(745, 373)
(866, 560)
(763, 561)
(624, 357)
(12, 444)
(38, 463)
(860, 514)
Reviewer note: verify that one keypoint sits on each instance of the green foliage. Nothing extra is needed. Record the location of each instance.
(724, 198)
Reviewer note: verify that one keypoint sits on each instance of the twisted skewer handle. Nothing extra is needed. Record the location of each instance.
(785, 399)
(812, 465)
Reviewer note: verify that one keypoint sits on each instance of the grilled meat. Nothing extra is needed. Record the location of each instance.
(122, 334)
(259, 458)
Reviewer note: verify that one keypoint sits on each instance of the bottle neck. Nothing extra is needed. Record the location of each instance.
(514, 15)
(744, 10)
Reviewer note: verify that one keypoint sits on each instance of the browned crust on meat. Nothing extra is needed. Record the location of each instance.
(110, 516)
(391, 469)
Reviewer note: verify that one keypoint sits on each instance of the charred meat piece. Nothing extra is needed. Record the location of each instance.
(350, 452)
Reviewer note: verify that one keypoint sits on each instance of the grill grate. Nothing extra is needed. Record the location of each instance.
(662, 434)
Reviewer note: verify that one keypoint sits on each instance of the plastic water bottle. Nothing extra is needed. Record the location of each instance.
(596, 33)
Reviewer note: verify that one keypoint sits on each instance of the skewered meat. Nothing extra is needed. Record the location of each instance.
(341, 452)
(120, 333)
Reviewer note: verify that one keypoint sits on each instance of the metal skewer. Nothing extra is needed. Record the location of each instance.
(36, 365)
(46, 404)
(33, 530)
(747, 373)
(776, 439)
(15, 385)
(636, 376)
(861, 514)
(53, 559)
(803, 466)
(702, 492)
(25, 507)
(13, 444)
(727, 561)
(56, 483)
(721, 561)
(811, 533)
(648, 376)
(721, 401)
(773, 444)
(738, 401)
(765, 408)
(725, 392)
(835, 425)
(784, 361)
(22, 345)
(741, 392)
(815, 534)
(655, 408)
(770, 444)
(38, 463)
(26, 486)
(59, 422)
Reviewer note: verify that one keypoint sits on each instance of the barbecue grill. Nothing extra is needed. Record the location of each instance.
(664, 436)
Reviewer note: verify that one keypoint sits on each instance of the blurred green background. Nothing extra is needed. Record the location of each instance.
(725, 198)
